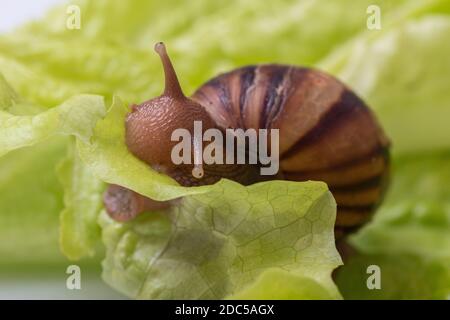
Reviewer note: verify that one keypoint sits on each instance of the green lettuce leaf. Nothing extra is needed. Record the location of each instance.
(30, 201)
(415, 218)
(21, 125)
(8, 96)
(216, 244)
(112, 52)
(79, 231)
(403, 74)
(278, 284)
(409, 237)
(76, 116)
(402, 277)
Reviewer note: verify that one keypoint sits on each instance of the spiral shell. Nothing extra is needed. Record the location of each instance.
(327, 133)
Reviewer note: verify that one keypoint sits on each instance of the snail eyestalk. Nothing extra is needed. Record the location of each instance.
(172, 85)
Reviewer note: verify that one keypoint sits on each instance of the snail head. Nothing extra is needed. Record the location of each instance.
(149, 125)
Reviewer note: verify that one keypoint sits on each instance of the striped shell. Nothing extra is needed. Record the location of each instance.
(327, 133)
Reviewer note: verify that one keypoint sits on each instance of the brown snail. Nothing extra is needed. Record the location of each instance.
(326, 133)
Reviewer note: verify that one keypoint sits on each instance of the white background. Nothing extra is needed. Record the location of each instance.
(15, 12)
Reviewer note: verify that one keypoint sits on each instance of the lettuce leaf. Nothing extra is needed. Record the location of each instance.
(278, 284)
(76, 116)
(215, 244)
(21, 126)
(8, 96)
(30, 202)
(415, 218)
(403, 74)
(403, 276)
(112, 52)
(79, 231)
(409, 237)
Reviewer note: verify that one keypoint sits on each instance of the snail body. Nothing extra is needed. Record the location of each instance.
(326, 132)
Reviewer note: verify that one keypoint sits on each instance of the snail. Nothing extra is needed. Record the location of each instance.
(326, 133)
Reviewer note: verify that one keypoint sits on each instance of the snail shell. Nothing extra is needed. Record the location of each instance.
(327, 133)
